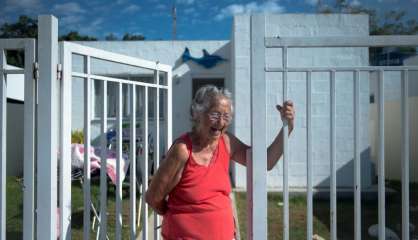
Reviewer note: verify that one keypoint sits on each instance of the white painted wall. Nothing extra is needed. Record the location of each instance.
(393, 140)
(167, 52)
(14, 139)
(392, 121)
(15, 84)
(15, 91)
(298, 25)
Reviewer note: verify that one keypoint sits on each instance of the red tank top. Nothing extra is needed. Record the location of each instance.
(199, 206)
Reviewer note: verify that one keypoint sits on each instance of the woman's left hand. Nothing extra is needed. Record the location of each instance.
(287, 112)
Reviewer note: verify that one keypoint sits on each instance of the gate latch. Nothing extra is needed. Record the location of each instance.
(36, 70)
(59, 72)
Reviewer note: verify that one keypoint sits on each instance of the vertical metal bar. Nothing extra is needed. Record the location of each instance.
(169, 112)
(333, 212)
(65, 144)
(103, 157)
(285, 155)
(145, 169)
(119, 102)
(132, 180)
(29, 144)
(381, 155)
(256, 173)
(309, 199)
(405, 156)
(87, 147)
(357, 158)
(157, 146)
(3, 145)
(47, 128)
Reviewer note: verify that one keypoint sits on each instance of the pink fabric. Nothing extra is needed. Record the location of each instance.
(77, 160)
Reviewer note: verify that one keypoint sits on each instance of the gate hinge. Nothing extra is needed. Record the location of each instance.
(35, 70)
(59, 71)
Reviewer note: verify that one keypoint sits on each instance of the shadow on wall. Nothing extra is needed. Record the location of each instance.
(393, 138)
(345, 179)
(15, 137)
(369, 201)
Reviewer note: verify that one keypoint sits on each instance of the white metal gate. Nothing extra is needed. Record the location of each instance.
(161, 82)
(257, 211)
(47, 127)
(28, 47)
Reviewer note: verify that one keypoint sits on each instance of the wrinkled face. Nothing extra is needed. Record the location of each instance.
(214, 122)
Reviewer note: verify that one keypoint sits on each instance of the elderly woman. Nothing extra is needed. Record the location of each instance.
(191, 188)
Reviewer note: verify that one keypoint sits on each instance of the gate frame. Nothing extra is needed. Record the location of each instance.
(28, 46)
(66, 51)
(258, 56)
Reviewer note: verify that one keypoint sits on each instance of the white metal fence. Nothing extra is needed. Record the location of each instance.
(40, 200)
(257, 203)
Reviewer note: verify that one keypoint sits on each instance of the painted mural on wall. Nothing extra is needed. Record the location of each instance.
(207, 60)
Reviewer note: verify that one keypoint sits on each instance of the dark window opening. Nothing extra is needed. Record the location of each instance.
(200, 82)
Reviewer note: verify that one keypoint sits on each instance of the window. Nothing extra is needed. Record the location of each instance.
(200, 82)
(126, 96)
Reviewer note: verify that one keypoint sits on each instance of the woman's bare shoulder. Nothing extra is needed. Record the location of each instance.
(230, 138)
(227, 140)
(178, 151)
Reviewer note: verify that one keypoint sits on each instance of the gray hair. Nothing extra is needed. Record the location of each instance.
(203, 99)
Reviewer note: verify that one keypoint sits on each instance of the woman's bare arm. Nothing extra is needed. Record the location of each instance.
(239, 150)
(167, 177)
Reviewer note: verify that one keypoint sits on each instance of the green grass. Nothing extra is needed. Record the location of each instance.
(321, 213)
(14, 212)
(345, 213)
(78, 208)
(15, 209)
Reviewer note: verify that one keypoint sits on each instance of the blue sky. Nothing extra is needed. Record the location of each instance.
(196, 19)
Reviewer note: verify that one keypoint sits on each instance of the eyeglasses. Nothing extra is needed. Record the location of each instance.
(215, 116)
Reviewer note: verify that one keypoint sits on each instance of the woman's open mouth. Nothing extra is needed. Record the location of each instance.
(216, 131)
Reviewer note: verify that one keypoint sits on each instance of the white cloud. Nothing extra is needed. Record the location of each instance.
(185, 2)
(161, 6)
(90, 28)
(28, 7)
(355, 3)
(270, 6)
(189, 10)
(69, 21)
(131, 8)
(22, 3)
(312, 2)
(70, 8)
(97, 22)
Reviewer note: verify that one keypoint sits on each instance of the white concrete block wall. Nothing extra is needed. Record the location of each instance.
(15, 84)
(393, 82)
(292, 25)
(170, 52)
(392, 122)
(15, 138)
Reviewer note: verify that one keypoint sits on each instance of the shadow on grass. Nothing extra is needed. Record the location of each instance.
(321, 215)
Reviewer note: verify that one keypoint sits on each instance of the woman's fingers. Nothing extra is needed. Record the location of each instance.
(287, 111)
(288, 102)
